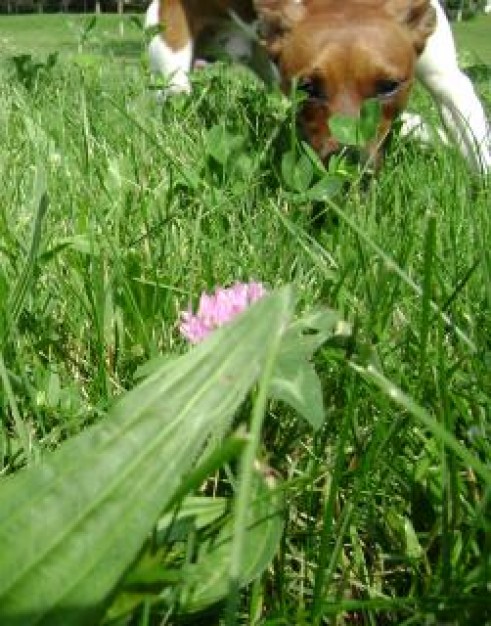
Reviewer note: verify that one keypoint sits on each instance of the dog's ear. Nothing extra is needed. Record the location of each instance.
(276, 19)
(418, 16)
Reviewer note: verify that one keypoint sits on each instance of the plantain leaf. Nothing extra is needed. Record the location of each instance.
(221, 145)
(200, 510)
(206, 581)
(296, 383)
(306, 334)
(297, 173)
(295, 380)
(71, 526)
(152, 576)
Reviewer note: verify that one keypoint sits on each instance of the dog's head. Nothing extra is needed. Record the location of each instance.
(344, 52)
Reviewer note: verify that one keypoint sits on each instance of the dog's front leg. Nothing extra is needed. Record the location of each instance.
(462, 112)
(170, 51)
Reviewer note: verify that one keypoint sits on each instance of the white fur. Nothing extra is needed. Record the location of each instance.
(152, 14)
(174, 65)
(462, 112)
(415, 127)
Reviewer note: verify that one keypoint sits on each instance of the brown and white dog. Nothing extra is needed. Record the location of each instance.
(340, 53)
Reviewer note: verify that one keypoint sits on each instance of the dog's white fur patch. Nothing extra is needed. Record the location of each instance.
(152, 15)
(174, 65)
(415, 127)
(454, 94)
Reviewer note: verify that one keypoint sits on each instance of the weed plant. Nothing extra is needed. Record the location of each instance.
(118, 211)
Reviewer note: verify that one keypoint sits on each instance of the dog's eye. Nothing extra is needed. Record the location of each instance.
(312, 88)
(387, 87)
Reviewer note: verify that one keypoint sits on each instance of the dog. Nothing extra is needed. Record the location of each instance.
(339, 53)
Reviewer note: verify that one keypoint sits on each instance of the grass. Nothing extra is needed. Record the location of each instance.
(473, 37)
(67, 33)
(388, 518)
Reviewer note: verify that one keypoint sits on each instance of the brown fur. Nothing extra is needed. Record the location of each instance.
(350, 48)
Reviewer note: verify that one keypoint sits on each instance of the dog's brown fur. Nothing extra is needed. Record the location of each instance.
(342, 52)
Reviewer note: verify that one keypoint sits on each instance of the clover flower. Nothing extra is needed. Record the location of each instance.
(217, 309)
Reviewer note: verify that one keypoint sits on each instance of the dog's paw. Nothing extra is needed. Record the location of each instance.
(415, 127)
(165, 93)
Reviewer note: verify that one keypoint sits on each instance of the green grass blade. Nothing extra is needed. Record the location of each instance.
(21, 287)
(437, 429)
(393, 266)
(429, 253)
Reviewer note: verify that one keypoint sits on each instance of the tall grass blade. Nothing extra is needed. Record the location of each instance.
(425, 419)
(429, 253)
(21, 287)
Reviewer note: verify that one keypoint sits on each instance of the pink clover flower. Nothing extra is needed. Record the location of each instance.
(218, 309)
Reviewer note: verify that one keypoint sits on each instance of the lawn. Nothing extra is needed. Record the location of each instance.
(324, 459)
(473, 36)
(69, 33)
(64, 32)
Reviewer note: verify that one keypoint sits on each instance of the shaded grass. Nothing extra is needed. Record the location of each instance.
(385, 524)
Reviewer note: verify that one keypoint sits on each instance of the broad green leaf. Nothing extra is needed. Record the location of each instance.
(296, 383)
(326, 188)
(288, 162)
(303, 173)
(206, 581)
(210, 462)
(217, 145)
(345, 129)
(309, 332)
(71, 526)
(295, 380)
(359, 130)
(404, 533)
(157, 572)
(243, 166)
(297, 173)
(152, 573)
(413, 546)
(153, 365)
(220, 144)
(369, 119)
(314, 158)
(200, 510)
